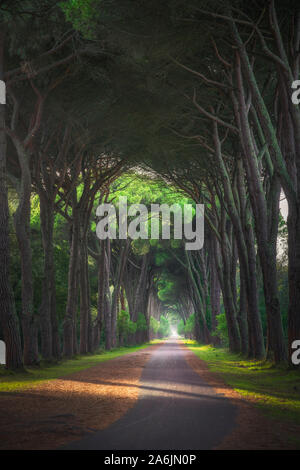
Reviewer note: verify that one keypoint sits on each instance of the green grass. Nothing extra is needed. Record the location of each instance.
(276, 390)
(15, 381)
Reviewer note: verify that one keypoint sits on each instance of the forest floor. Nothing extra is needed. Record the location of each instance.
(14, 381)
(267, 397)
(39, 413)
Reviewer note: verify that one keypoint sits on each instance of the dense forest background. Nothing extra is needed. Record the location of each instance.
(162, 102)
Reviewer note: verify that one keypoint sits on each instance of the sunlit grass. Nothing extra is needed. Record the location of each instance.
(157, 341)
(275, 389)
(11, 381)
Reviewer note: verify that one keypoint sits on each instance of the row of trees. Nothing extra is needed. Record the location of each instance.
(227, 133)
(55, 155)
(203, 99)
(249, 132)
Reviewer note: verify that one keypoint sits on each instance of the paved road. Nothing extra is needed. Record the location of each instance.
(176, 410)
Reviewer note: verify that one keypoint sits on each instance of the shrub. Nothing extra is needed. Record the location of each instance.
(154, 326)
(222, 329)
(141, 324)
(125, 325)
(180, 328)
(189, 328)
(164, 327)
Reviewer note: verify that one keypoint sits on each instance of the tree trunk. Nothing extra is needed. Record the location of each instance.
(72, 299)
(22, 227)
(8, 318)
(242, 316)
(202, 331)
(241, 220)
(101, 300)
(116, 292)
(85, 311)
(228, 300)
(215, 289)
(50, 347)
(266, 251)
(107, 296)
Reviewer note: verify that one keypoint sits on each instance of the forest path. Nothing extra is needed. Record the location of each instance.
(176, 409)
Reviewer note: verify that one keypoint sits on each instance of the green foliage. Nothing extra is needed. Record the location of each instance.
(189, 328)
(161, 257)
(154, 325)
(170, 284)
(141, 324)
(180, 328)
(146, 190)
(140, 247)
(164, 327)
(82, 14)
(222, 329)
(166, 290)
(125, 325)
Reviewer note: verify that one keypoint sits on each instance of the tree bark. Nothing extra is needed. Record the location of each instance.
(22, 227)
(117, 285)
(266, 251)
(8, 318)
(72, 299)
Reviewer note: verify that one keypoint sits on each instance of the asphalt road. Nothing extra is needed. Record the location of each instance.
(176, 410)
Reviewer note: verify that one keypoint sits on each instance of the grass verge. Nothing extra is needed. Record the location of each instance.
(14, 381)
(276, 390)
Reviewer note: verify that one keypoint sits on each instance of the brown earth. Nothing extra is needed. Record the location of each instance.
(254, 430)
(55, 412)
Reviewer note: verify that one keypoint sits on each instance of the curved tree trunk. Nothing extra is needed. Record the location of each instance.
(266, 251)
